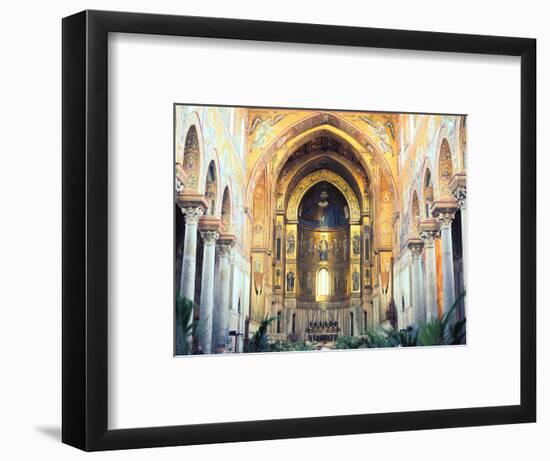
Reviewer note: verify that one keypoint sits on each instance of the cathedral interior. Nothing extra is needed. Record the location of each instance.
(331, 222)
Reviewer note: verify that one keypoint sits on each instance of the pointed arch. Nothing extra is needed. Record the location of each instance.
(427, 192)
(444, 168)
(279, 149)
(191, 159)
(227, 211)
(318, 176)
(211, 187)
(350, 172)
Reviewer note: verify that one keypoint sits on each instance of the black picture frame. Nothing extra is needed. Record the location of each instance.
(85, 219)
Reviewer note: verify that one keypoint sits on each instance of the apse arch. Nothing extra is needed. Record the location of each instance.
(318, 176)
(284, 145)
(291, 145)
(287, 180)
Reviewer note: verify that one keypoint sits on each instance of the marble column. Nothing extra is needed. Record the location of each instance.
(419, 307)
(460, 195)
(187, 282)
(449, 296)
(221, 316)
(207, 290)
(428, 234)
(288, 321)
(376, 310)
(357, 321)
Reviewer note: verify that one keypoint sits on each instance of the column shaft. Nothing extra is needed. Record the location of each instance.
(221, 316)
(460, 195)
(464, 217)
(448, 267)
(419, 307)
(207, 291)
(288, 321)
(376, 310)
(187, 282)
(430, 281)
(357, 330)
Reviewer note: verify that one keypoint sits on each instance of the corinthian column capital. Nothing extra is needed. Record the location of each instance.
(210, 237)
(224, 250)
(445, 219)
(429, 238)
(192, 206)
(444, 211)
(415, 246)
(458, 187)
(192, 214)
(429, 231)
(460, 196)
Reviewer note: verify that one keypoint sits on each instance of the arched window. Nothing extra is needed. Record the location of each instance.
(323, 283)
(211, 188)
(428, 193)
(226, 210)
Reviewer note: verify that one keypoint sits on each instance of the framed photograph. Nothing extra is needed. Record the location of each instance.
(279, 230)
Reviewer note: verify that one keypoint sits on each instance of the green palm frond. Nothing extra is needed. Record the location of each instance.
(349, 342)
(260, 340)
(184, 325)
(290, 346)
(444, 331)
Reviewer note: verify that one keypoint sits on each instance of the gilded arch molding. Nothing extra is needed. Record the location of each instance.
(290, 177)
(309, 181)
(286, 150)
(280, 148)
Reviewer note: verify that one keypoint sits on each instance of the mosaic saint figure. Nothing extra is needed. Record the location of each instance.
(290, 281)
(310, 246)
(290, 241)
(356, 244)
(323, 250)
(355, 278)
(278, 275)
(345, 248)
(323, 213)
